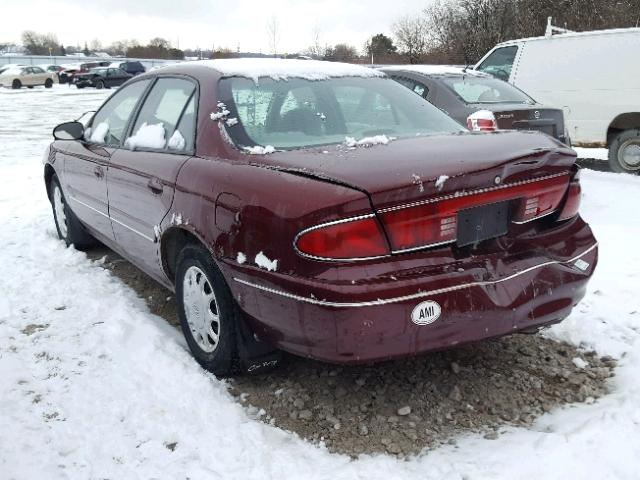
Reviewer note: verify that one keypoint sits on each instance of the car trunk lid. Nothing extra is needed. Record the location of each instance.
(519, 117)
(424, 190)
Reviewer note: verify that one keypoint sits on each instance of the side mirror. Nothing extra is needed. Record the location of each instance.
(69, 131)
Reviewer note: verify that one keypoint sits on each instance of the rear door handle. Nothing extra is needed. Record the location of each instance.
(155, 185)
(98, 171)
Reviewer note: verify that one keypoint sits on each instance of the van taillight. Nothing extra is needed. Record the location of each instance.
(572, 201)
(482, 121)
(352, 239)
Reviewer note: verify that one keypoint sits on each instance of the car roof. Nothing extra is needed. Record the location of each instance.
(556, 36)
(434, 70)
(275, 68)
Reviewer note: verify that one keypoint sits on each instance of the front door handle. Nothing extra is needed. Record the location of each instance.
(155, 185)
(98, 171)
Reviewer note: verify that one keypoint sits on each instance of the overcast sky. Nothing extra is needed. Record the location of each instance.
(203, 23)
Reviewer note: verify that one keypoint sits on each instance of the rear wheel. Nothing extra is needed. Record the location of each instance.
(48, 83)
(69, 228)
(624, 152)
(16, 84)
(206, 310)
(99, 84)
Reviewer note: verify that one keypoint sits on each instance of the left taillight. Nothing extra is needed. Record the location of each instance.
(351, 239)
(572, 200)
(482, 121)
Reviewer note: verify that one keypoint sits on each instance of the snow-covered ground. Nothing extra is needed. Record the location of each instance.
(94, 386)
(595, 153)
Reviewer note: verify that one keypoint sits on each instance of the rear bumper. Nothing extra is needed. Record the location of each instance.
(371, 320)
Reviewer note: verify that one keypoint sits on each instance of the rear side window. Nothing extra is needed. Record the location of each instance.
(109, 124)
(477, 89)
(412, 85)
(500, 62)
(163, 109)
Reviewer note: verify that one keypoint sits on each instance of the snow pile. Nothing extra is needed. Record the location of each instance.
(99, 133)
(284, 69)
(441, 181)
(231, 122)
(147, 136)
(260, 150)
(263, 262)
(219, 115)
(368, 141)
(176, 142)
(241, 258)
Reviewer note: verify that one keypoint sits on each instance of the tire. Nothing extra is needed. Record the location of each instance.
(624, 152)
(202, 292)
(79, 86)
(48, 83)
(16, 84)
(99, 84)
(29, 87)
(69, 228)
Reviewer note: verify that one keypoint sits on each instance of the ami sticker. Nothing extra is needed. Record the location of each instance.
(426, 313)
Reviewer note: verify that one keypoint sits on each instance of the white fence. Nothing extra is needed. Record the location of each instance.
(68, 60)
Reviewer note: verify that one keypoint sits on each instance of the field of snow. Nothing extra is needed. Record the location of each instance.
(94, 386)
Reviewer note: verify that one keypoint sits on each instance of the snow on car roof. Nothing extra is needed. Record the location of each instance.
(434, 70)
(283, 69)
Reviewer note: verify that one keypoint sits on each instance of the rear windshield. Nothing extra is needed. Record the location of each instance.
(473, 89)
(297, 113)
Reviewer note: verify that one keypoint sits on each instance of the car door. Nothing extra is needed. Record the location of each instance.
(87, 162)
(141, 178)
(39, 76)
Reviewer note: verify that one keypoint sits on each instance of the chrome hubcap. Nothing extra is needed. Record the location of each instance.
(58, 205)
(201, 309)
(629, 155)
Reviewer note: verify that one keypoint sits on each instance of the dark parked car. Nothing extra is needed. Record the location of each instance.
(133, 68)
(66, 75)
(101, 78)
(480, 101)
(325, 210)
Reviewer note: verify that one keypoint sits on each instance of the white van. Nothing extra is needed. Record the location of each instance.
(593, 76)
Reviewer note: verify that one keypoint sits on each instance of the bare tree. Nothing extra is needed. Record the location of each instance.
(273, 35)
(411, 35)
(316, 49)
(40, 44)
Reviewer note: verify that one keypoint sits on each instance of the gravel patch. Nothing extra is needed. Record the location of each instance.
(403, 407)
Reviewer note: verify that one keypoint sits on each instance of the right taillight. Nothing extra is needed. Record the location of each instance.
(572, 202)
(482, 121)
(352, 239)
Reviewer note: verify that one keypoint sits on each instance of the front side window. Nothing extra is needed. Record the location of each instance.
(299, 113)
(37, 70)
(109, 124)
(500, 62)
(477, 89)
(161, 113)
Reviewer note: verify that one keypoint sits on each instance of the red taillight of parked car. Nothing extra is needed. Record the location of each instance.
(482, 121)
(351, 239)
(572, 202)
(435, 221)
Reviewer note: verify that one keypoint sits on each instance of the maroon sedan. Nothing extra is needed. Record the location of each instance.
(322, 209)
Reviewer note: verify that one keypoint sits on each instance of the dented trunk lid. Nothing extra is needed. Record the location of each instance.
(417, 169)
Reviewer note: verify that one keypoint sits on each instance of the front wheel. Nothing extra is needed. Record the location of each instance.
(69, 228)
(624, 152)
(206, 310)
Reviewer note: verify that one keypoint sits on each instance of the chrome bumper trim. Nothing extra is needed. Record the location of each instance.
(414, 296)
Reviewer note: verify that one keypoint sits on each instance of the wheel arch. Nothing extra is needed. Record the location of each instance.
(172, 241)
(624, 121)
(49, 172)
